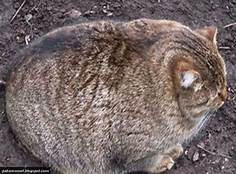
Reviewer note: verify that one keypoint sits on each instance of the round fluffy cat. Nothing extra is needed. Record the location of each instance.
(114, 97)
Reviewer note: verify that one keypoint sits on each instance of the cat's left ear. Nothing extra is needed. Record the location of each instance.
(209, 32)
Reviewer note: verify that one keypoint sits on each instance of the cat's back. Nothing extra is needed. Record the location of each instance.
(92, 38)
(84, 54)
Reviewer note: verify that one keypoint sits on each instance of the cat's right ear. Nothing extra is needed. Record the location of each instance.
(186, 75)
(209, 33)
(187, 78)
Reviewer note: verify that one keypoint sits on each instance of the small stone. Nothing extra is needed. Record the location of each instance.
(104, 11)
(92, 12)
(201, 144)
(191, 152)
(62, 10)
(109, 14)
(89, 12)
(74, 13)
(196, 156)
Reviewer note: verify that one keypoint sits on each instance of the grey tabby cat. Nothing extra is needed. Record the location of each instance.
(114, 97)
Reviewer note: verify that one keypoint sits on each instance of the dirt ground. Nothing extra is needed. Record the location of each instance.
(214, 150)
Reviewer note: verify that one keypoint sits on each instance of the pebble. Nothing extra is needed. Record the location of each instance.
(109, 14)
(74, 13)
(89, 12)
(196, 156)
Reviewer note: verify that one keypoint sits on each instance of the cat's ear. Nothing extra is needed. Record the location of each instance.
(209, 32)
(187, 78)
(186, 75)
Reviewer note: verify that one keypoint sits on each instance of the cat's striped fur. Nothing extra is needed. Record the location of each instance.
(105, 97)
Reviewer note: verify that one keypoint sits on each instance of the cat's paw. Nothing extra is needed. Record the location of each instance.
(175, 152)
(164, 163)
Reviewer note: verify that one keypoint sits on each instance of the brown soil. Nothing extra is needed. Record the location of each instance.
(214, 150)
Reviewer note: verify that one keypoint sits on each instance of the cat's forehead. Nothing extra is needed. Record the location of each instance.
(204, 54)
(215, 71)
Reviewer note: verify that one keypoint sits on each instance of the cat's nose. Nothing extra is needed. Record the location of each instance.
(223, 94)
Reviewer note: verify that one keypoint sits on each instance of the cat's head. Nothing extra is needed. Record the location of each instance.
(200, 75)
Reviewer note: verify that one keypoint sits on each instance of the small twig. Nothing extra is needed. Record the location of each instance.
(13, 17)
(229, 25)
(224, 48)
(27, 39)
(213, 153)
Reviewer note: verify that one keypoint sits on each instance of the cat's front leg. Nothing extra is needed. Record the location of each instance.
(158, 163)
